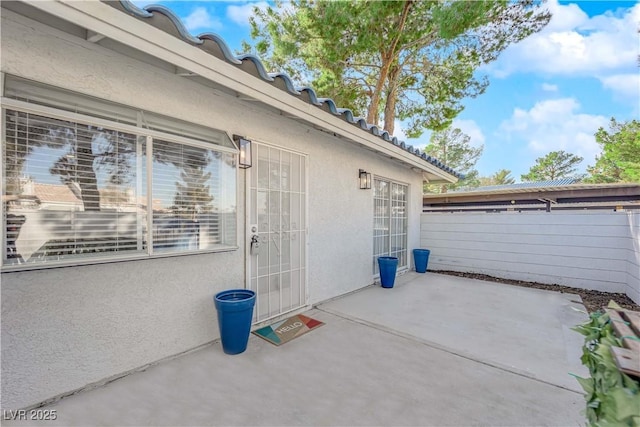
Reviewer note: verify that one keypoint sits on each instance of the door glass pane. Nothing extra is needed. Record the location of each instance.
(295, 173)
(286, 294)
(389, 222)
(285, 171)
(274, 293)
(285, 251)
(263, 166)
(285, 203)
(261, 206)
(296, 259)
(274, 168)
(296, 211)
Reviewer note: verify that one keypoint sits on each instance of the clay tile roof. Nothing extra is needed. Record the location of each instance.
(54, 193)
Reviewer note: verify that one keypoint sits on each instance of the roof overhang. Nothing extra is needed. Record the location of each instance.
(102, 20)
(554, 194)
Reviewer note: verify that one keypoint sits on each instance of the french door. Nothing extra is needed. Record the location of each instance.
(390, 219)
(277, 231)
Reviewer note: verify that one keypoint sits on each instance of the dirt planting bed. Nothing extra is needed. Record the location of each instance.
(592, 300)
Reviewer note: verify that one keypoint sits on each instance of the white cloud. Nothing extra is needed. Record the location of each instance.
(549, 87)
(201, 19)
(240, 14)
(565, 16)
(554, 125)
(472, 129)
(623, 85)
(573, 44)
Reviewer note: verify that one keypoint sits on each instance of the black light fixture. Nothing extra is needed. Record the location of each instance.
(365, 179)
(244, 145)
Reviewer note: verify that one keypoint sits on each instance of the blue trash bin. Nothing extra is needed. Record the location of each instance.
(235, 312)
(388, 266)
(421, 259)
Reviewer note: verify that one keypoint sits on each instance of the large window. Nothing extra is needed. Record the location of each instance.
(389, 222)
(80, 186)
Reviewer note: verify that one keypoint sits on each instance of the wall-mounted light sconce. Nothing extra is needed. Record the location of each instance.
(365, 179)
(245, 151)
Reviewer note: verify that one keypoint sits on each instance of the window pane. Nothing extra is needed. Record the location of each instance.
(71, 190)
(193, 198)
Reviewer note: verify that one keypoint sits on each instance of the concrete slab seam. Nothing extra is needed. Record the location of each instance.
(106, 381)
(443, 348)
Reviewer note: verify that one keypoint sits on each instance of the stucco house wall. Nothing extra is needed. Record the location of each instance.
(65, 328)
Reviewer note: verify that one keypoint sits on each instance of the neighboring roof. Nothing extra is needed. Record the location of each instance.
(522, 189)
(164, 19)
(55, 193)
(517, 196)
(524, 185)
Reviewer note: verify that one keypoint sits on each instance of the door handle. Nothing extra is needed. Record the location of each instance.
(255, 245)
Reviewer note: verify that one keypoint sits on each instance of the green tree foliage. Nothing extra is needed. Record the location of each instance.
(409, 60)
(451, 146)
(612, 397)
(502, 177)
(620, 157)
(555, 165)
(193, 195)
(89, 150)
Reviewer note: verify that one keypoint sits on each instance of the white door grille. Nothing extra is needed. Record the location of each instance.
(277, 216)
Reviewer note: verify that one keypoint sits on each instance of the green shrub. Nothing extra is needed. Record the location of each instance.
(613, 398)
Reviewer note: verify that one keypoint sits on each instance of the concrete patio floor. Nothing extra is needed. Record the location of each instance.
(434, 350)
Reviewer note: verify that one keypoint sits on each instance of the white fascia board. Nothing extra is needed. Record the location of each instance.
(114, 24)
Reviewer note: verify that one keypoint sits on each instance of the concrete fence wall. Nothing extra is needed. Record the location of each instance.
(586, 249)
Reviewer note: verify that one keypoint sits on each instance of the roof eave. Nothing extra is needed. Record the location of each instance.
(572, 190)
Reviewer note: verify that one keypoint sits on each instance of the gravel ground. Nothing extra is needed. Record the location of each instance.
(593, 300)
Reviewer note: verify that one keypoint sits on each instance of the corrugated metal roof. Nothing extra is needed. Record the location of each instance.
(217, 47)
(518, 189)
(533, 184)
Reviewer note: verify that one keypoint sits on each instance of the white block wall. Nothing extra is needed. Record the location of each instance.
(585, 249)
(633, 272)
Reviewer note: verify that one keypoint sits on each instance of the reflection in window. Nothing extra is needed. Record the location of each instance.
(194, 210)
(70, 189)
(75, 191)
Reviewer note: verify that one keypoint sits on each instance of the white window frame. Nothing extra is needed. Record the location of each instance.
(54, 113)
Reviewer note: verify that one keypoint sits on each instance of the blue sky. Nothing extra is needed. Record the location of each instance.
(550, 92)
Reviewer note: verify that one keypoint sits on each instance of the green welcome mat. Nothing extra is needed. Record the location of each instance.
(288, 329)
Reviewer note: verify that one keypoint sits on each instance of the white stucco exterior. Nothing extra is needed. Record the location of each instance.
(65, 328)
